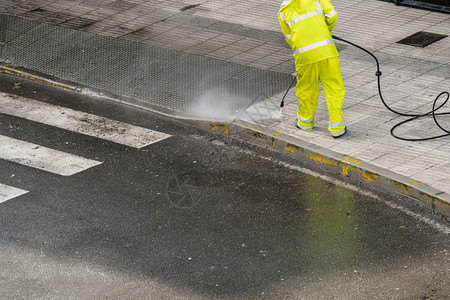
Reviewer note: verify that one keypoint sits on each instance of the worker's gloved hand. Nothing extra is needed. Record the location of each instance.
(336, 37)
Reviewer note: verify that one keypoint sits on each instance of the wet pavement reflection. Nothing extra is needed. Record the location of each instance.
(216, 218)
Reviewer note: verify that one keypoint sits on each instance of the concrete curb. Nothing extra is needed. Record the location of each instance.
(328, 160)
(334, 162)
(69, 86)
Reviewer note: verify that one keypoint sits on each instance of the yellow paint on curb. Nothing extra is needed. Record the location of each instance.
(413, 182)
(345, 168)
(223, 127)
(320, 159)
(442, 202)
(256, 133)
(402, 187)
(36, 79)
(369, 176)
(366, 175)
(274, 139)
(290, 148)
(352, 160)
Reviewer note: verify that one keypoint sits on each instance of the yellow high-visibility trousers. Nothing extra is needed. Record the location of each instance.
(328, 72)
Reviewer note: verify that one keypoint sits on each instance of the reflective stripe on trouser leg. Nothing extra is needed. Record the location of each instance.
(336, 129)
(307, 92)
(333, 88)
(305, 124)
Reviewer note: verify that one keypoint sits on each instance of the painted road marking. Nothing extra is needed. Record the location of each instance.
(76, 121)
(43, 158)
(8, 192)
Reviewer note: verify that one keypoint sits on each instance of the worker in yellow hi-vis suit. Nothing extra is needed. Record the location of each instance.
(307, 26)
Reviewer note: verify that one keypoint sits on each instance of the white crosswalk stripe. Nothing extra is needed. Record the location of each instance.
(76, 121)
(8, 192)
(43, 158)
(58, 162)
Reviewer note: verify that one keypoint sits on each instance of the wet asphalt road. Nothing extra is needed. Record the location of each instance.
(197, 216)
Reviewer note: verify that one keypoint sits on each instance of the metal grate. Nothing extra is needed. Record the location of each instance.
(433, 5)
(422, 39)
(178, 81)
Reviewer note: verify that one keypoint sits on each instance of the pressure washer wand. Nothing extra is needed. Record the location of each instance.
(282, 100)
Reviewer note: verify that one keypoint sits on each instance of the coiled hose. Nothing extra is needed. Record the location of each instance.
(413, 117)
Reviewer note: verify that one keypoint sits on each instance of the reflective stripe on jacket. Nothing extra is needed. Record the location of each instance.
(307, 25)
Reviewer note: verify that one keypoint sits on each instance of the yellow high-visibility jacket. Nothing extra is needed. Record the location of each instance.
(307, 25)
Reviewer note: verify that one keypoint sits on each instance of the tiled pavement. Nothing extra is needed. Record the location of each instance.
(247, 32)
(412, 78)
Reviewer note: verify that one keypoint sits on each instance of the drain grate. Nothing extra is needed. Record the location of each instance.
(433, 5)
(422, 39)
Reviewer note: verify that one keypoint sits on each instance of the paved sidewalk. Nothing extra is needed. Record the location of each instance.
(247, 33)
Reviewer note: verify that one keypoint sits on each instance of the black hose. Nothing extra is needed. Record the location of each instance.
(282, 100)
(413, 116)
